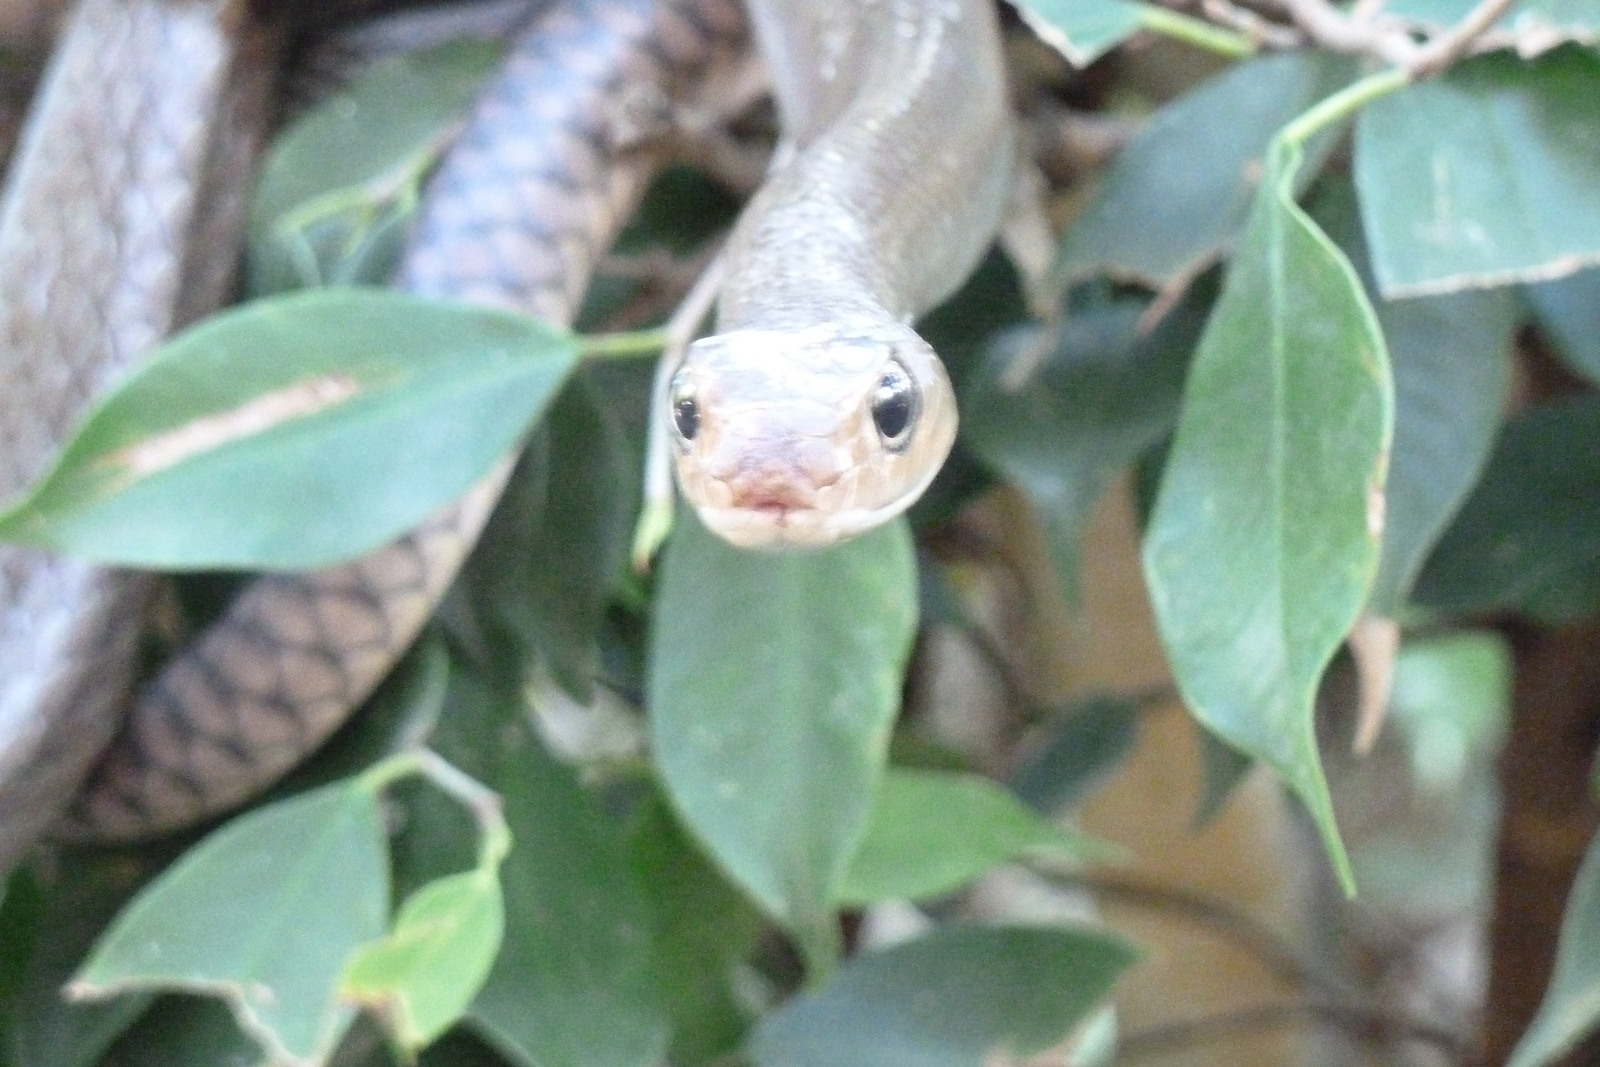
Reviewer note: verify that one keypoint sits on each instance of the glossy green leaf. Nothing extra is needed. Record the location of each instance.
(1537, 24)
(1451, 359)
(263, 913)
(963, 996)
(1528, 538)
(1571, 1007)
(549, 558)
(1086, 744)
(1107, 391)
(420, 977)
(573, 985)
(704, 929)
(774, 679)
(1569, 312)
(1082, 30)
(1177, 196)
(337, 185)
(1264, 539)
(933, 831)
(1485, 176)
(295, 432)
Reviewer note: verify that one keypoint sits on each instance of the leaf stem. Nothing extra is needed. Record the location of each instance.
(1343, 104)
(633, 344)
(1198, 32)
(481, 801)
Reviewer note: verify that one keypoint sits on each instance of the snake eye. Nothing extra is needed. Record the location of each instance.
(894, 407)
(685, 409)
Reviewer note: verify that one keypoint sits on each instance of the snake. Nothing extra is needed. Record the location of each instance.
(815, 413)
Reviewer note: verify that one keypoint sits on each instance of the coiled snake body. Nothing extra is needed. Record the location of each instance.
(877, 212)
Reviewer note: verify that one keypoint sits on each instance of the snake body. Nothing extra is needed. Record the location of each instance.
(817, 412)
(118, 178)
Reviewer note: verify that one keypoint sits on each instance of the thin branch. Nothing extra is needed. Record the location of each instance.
(1262, 31)
(1449, 46)
(1331, 29)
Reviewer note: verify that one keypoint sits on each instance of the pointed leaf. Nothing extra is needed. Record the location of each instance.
(961, 997)
(295, 432)
(1264, 539)
(1178, 194)
(1485, 176)
(1571, 1008)
(424, 972)
(774, 679)
(932, 831)
(263, 913)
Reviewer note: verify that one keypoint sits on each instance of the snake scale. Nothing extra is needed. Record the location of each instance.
(815, 413)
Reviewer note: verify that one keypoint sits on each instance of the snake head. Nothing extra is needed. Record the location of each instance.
(807, 437)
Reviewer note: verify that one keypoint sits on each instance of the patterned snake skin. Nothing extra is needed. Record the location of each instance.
(118, 174)
(534, 191)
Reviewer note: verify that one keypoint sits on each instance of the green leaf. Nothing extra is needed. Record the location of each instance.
(1485, 176)
(1178, 194)
(933, 831)
(1527, 537)
(963, 996)
(704, 928)
(1086, 743)
(1450, 357)
(295, 432)
(263, 913)
(420, 977)
(1569, 312)
(1571, 1007)
(1264, 540)
(573, 985)
(338, 185)
(773, 681)
(1082, 30)
(1106, 392)
(549, 558)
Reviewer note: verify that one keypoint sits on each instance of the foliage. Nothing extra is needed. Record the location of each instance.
(1300, 334)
